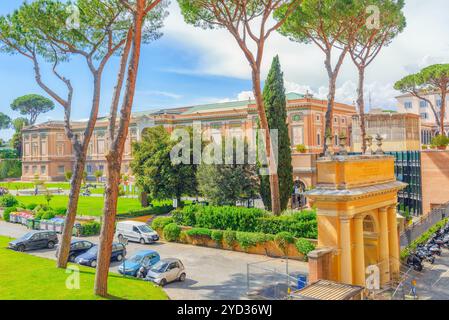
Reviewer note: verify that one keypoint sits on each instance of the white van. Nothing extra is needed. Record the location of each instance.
(136, 231)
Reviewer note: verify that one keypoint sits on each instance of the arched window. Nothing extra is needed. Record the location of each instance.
(368, 224)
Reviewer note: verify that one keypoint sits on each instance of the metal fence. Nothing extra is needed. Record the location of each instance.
(424, 224)
(271, 279)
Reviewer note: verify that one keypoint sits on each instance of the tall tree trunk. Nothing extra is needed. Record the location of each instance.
(328, 128)
(114, 158)
(78, 175)
(272, 164)
(443, 111)
(361, 105)
(75, 185)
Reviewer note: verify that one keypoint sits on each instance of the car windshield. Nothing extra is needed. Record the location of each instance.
(27, 236)
(145, 229)
(159, 267)
(136, 259)
(92, 250)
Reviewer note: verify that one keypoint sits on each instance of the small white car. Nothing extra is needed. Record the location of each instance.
(136, 231)
(166, 271)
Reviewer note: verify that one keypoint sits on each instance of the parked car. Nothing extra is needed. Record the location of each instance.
(142, 259)
(89, 258)
(77, 247)
(136, 231)
(35, 240)
(166, 271)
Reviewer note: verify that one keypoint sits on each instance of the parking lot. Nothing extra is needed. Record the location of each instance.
(211, 273)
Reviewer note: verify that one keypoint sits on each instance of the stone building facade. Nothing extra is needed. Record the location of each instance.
(47, 152)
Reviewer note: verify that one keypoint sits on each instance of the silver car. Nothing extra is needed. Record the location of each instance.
(166, 271)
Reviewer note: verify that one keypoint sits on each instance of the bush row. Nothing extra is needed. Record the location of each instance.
(423, 238)
(173, 233)
(300, 224)
(90, 229)
(154, 210)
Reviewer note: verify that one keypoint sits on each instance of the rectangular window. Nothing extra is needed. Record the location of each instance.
(26, 168)
(424, 115)
(318, 139)
(34, 149)
(61, 169)
(100, 146)
(89, 169)
(423, 104)
(35, 170)
(408, 105)
(43, 169)
(439, 103)
(60, 149)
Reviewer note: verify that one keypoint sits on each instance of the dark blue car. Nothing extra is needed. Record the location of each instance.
(89, 258)
(142, 258)
(77, 247)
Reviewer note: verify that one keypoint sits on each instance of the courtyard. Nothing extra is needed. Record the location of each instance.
(211, 273)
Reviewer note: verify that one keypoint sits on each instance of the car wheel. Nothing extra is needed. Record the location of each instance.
(21, 248)
(163, 282)
(50, 245)
(142, 241)
(93, 264)
(182, 277)
(119, 257)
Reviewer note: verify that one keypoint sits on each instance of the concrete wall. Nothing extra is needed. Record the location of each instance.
(435, 179)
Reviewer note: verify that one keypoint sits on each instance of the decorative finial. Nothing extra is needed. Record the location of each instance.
(342, 143)
(369, 143)
(379, 140)
(328, 142)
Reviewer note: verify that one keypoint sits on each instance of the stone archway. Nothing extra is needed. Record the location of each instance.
(370, 239)
(299, 200)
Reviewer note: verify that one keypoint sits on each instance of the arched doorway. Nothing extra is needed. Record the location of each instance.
(370, 240)
(298, 198)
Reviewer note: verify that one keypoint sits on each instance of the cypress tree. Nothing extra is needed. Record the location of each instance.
(276, 110)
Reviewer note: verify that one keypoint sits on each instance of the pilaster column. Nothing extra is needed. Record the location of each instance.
(384, 244)
(346, 255)
(359, 252)
(393, 242)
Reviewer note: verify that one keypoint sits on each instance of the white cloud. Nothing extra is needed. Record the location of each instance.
(158, 93)
(423, 42)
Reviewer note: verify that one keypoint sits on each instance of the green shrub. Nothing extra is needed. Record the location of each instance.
(172, 232)
(440, 141)
(31, 206)
(61, 211)
(7, 213)
(183, 237)
(250, 239)
(217, 236)
(283, 239)
(47, 215)
(160, 222)
(300, 224)
(229, 237)
(8, 200)
(90, 229)
(199, 232)
(304, 246)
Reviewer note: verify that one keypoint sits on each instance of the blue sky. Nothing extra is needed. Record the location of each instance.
(191, 66)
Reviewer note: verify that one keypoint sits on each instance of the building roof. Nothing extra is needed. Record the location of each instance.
(327, 290)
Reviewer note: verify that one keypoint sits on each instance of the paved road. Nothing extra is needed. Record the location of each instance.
(433, 283)
(211, 273)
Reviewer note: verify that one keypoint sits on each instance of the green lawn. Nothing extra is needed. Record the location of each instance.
(88, 206)
(27, 277)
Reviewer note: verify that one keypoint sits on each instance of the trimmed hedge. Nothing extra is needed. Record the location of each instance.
(160, 222)
(299, 224)
(199, 232)
(172, 232)
(283, 239)
(423, 238)
(156, 210)
(304, 246)
(250, 239)
(90, 229)
(229, 237)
